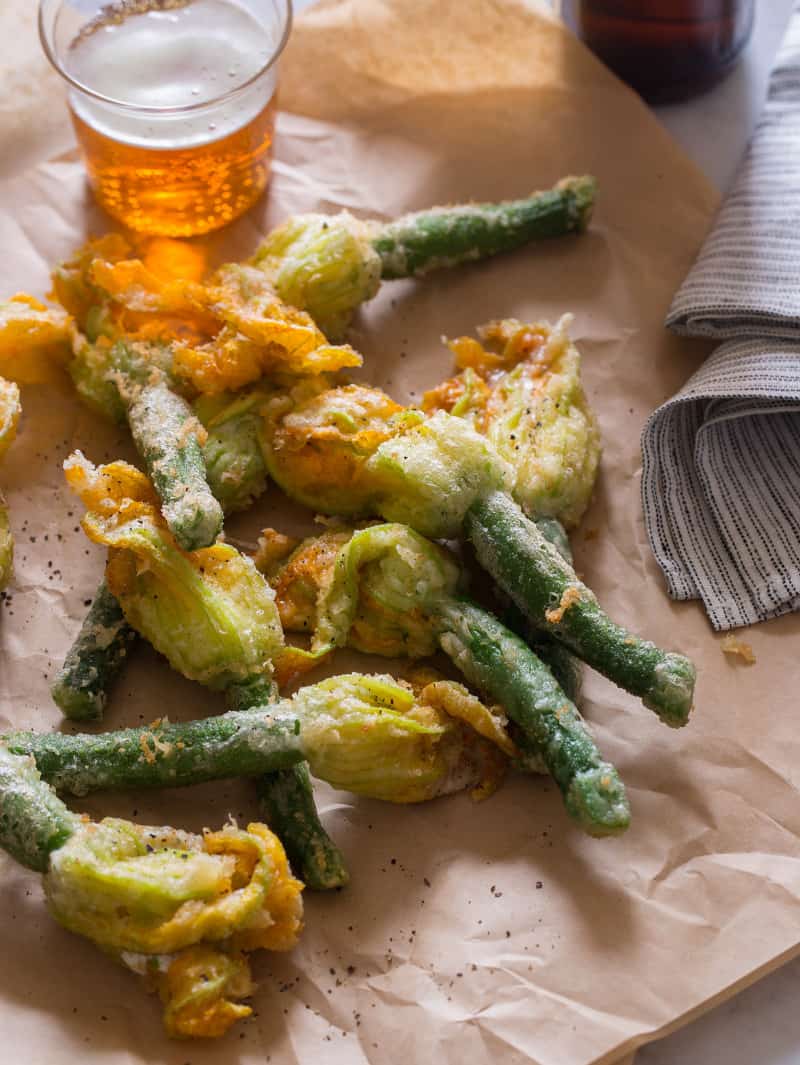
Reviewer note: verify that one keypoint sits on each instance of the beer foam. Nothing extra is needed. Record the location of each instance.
(174, 58)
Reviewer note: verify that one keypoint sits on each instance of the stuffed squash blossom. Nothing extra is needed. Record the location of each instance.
(352, 450)
(182, 910)
(330, 264)
(522, 388)
(209, 612)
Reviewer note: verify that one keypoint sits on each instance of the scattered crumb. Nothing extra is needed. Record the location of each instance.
(732, 645)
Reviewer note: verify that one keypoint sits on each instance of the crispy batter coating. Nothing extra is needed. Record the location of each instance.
(209, 611)
(34, 339)
(317, 442)
(522, 388)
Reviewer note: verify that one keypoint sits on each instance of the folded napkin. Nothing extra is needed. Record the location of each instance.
(744, 282)
(721, 459)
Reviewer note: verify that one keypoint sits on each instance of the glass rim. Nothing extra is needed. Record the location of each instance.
(55, 62)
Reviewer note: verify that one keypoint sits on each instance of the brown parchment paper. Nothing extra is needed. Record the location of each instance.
(481, 933)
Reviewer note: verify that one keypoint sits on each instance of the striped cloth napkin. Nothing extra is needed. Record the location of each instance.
(721, 459)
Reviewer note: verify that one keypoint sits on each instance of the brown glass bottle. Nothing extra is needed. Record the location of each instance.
(665, 49)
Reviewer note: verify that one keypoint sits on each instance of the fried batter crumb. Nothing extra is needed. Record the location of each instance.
(569, 597)
(149, 755)
(732, 645)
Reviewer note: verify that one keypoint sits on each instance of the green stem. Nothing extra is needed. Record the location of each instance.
(545, 587)
(499, 664)
(251, 694)
(95, 659)
(287, 801)
(448, 236)
(164, 431)
(33, 820)
(236, 744)
(566, 667)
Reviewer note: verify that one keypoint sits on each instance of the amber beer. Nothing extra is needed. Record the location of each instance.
(665, 49)
(173, 104)
(177, 191)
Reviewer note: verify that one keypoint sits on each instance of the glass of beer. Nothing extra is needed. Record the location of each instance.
(173, 103)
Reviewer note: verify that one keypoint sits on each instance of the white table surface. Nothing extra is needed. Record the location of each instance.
(761, 1026)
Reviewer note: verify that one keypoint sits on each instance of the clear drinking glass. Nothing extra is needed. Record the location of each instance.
(173, 103)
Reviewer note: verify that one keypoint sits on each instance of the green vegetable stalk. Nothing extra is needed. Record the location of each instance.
(330, 264)
(95, 659)
(133, 381)
(286, 797)
(235, 744)
(564, 665)
(545, 587)
(170, 440)
(447, 236)
(33, 820)
(550, 725)
(287, 804)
